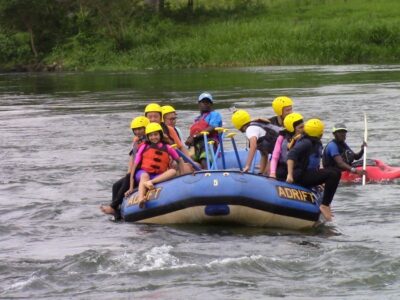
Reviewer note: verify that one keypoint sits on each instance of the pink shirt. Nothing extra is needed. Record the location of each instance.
(171, 152)
(276, 154)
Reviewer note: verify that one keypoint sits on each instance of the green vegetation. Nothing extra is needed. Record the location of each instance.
(128, 34)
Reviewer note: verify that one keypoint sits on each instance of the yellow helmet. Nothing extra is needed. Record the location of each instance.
(240, 118)
(290, 121)
(166, 109)
(279, 103)
(153, 127)
(152, 107)
(139, 122)
(314, 128)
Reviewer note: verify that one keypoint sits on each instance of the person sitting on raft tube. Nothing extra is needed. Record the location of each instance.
(337, 154)
(261, 134)
(282, 106)
(153, 112)
(152, 162)
(294, 129)
(138, 126)
(304, 165)
(169, 117)
(207, 121)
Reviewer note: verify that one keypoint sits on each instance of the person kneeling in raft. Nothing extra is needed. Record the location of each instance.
(303, 165)
(153, 158)
(261, 135)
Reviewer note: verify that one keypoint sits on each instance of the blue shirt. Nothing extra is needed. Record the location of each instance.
(213, 118)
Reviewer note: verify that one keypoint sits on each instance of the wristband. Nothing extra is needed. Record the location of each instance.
(353, 170)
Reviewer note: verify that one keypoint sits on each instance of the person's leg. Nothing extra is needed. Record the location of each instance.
(142, 188)
(330, 177)
(162, 177)
(110, 209)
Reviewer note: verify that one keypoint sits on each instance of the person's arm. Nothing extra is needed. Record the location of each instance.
(130, 164)
(252, 152)
(290, 168)
(131, 181)
(361, 152)
(275, 156)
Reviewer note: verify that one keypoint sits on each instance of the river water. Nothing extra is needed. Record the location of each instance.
(64, 141)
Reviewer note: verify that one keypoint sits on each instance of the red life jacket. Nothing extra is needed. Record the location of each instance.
(199, 125)
(155, 160)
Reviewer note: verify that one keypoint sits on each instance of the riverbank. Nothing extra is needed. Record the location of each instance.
(268, 33)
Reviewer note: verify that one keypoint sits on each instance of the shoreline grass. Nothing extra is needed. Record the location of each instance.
(282, 32)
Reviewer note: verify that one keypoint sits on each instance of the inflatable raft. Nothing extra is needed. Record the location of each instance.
(224, 196)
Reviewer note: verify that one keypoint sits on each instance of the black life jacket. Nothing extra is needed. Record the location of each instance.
(345, 152)
(271, 134)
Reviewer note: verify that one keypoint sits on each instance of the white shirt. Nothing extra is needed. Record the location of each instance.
(256, 131)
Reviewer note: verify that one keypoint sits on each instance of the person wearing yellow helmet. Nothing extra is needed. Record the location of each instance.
(261, 135)
(153, 161)
(207, 121)
(169, 117)
(153, 112)
(337, 154)
(303, 165)
(294, 128)
(138, 126)
(282, 106)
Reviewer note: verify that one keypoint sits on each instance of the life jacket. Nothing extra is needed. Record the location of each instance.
(166, 133)
(274, 121)
(155, 160)
(288, 143)
(311, 159)
(136, 143)
(345, 152)
(199, 125)
(271, 134)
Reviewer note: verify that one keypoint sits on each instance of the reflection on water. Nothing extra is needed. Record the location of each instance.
(64, 141)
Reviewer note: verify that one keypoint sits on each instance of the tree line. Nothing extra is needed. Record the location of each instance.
(29, 29)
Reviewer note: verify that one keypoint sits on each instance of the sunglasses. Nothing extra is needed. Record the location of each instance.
(172, 119)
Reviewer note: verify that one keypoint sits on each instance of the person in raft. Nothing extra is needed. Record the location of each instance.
(169, 117)
(152, 159)
(153, 112)
(337, 154)
(207, 121)
(282, 106)
(261, 134)
(294, 129)
(138, 126)
(303, 165)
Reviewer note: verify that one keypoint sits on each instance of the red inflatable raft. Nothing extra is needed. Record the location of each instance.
(377, 171)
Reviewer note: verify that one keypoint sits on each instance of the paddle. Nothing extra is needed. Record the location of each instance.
(185, 158)
(365, 148)
(232, 137)
(205, 134)
(221, 132)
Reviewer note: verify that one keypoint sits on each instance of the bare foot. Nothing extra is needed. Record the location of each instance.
(149, 185)
(107, 209)
(142, 202)
(326, 212)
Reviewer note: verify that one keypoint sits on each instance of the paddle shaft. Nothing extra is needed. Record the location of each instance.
(365, 149)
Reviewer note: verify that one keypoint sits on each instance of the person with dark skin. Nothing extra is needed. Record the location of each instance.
(207, 121)
(337, 154)
(303, 165)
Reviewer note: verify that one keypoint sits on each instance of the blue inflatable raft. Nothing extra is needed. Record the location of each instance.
(226, 196)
